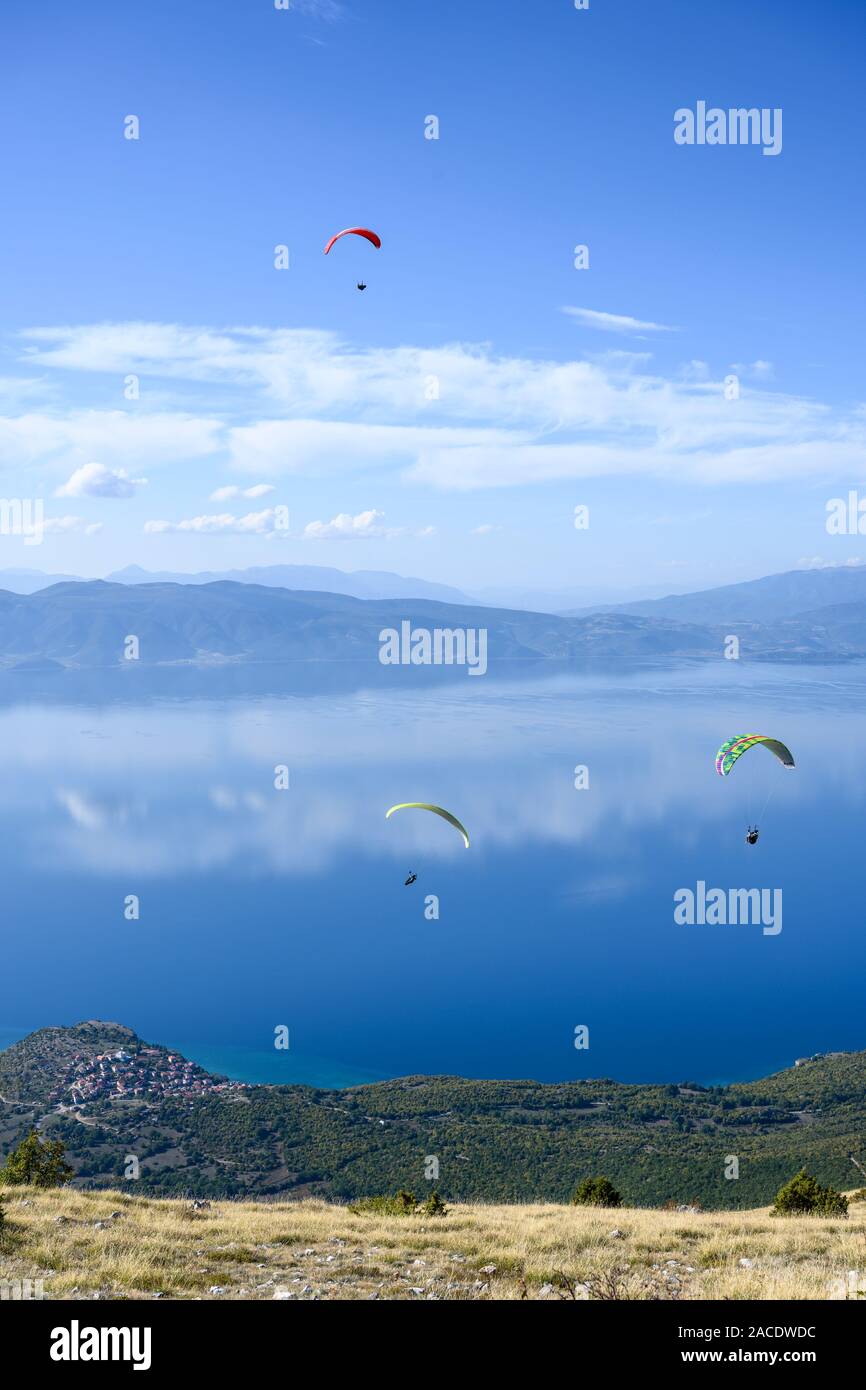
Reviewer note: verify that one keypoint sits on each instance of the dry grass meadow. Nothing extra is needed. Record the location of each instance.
(112, 1245)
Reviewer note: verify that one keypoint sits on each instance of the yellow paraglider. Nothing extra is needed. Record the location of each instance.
(437, 811)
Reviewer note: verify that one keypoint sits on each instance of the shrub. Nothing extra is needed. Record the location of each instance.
(596, 1192)
(403, 1203)
(36, 1164)
(804, 1195)
(434, 1206)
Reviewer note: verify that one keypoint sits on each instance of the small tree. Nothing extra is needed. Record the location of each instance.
(434, 1206)
(36, 1164)
(804, 1195)
(596, 1192)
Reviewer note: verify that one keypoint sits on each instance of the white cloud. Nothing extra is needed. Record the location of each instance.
(817, 562)
(313, 405)
(253, 524)
(761, 370)
(86, 813)
(226, 494)
(615, 323)
(95, 480)
(70, 525)
(335, 446)
(484, 530)
(468, 469)
(364, 526)
(127, 438)
(696, 370)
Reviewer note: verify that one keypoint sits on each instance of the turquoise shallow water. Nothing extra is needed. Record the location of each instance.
(245, 1064)
(275, 1068)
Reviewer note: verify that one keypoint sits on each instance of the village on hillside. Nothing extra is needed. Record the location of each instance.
(149, 1073)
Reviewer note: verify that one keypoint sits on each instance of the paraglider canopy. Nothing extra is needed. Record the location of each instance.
(437, 811)
(355, 231)
(734, 748)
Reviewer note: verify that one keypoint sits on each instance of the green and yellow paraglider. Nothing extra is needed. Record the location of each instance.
(733, 749)
(437, 811)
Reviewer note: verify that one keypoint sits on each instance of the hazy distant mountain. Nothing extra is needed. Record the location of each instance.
(25, 581)
(84, 625)
(779, 596)
(768, 600)
(321, 578)
(357, 584)
(568, 600)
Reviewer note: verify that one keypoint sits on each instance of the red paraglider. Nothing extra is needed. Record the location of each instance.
(355, 231)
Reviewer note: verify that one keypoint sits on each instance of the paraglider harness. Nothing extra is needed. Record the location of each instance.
(752, 836)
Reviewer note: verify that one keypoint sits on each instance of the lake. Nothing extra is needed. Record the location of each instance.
(262, 907)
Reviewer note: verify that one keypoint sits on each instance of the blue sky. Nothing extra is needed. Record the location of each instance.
(261, 127)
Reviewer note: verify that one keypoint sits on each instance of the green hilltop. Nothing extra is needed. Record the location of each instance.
(197, 1134)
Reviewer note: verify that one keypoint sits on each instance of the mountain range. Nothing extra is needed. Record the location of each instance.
(84, 625)
(757, 600)
(776, 597)
(107, 1095)
(324, 579)
(376, 584)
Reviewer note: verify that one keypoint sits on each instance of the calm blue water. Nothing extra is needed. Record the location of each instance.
(261, 908)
